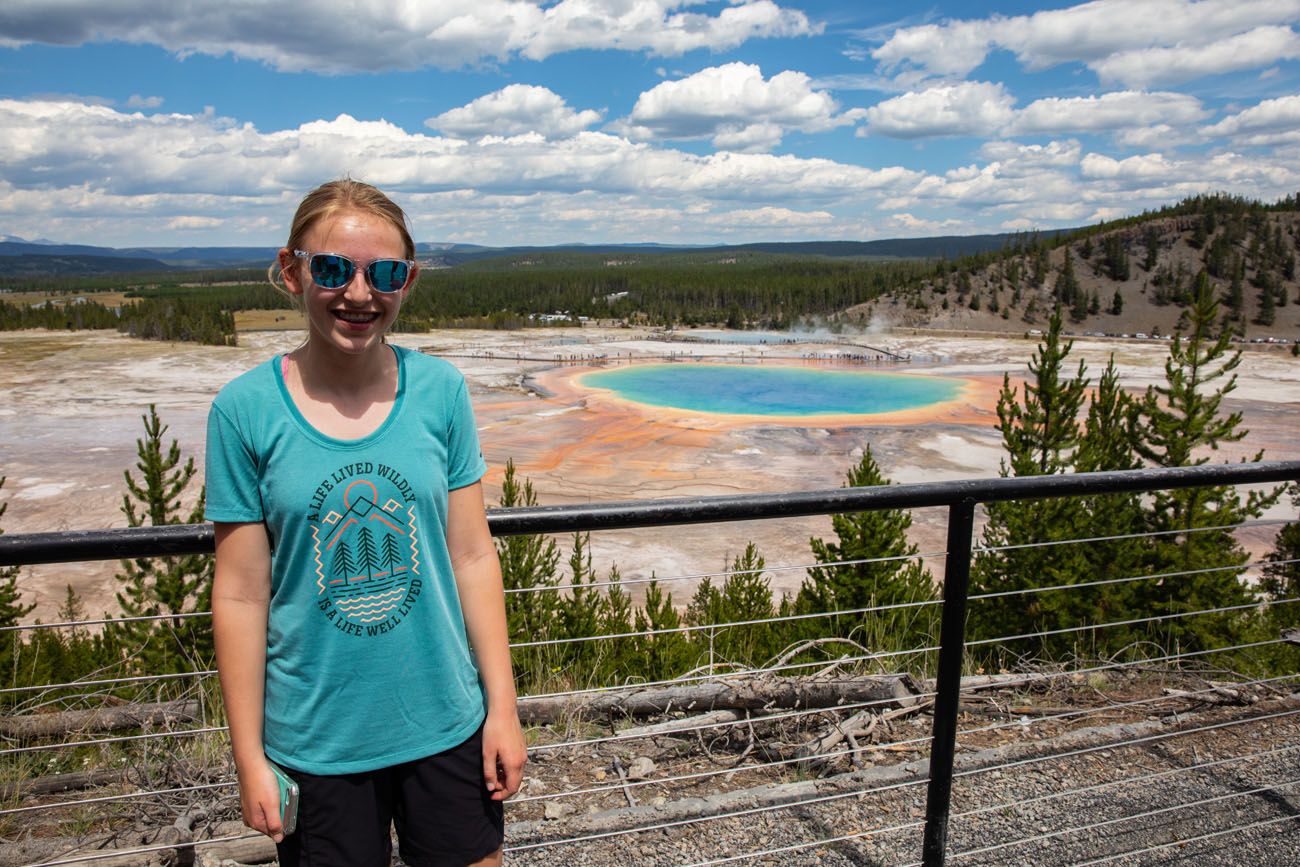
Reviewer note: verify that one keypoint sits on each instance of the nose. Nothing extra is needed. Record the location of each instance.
(358, 289)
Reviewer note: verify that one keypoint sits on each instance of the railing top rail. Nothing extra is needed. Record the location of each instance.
(112, 544)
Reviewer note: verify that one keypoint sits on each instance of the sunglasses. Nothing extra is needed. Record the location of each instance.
(332, 271)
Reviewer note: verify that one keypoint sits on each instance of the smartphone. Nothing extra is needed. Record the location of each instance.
(288, 799)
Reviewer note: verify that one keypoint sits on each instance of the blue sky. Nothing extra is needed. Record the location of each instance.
(522, 122)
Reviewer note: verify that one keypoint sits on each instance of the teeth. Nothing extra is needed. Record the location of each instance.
(354, 317)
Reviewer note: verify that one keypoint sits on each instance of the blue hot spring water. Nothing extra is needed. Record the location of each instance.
(772, 390)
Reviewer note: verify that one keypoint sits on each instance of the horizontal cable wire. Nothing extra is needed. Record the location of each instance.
(704, 627)
(1264, 522)
(1155, 619)
(1096, 787)
(793, 714)
(600, 690)
(1128, 579)
(727, 572)
(677, 823)
(795, 847)
(1159, 811)
(126, 796)
(109, 681)
(1263, 823)
(105, 620)
(1114, 745)
(180, 733)
(143, 850)
(992, 727)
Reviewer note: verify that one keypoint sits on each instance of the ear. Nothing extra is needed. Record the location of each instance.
(290, 271)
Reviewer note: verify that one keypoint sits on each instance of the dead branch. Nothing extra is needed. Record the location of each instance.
(792, 652)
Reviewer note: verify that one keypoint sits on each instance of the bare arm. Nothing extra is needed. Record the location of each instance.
(241, 598)
(482, 598)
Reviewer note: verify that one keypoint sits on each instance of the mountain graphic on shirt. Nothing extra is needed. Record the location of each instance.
(366, 553)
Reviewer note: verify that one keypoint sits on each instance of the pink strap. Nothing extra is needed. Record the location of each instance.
(284, 366)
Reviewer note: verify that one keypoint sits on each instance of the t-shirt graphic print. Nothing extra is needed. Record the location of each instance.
(366, 549)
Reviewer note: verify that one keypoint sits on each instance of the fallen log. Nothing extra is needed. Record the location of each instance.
(762, 693)
(53, 784)
(99, 719)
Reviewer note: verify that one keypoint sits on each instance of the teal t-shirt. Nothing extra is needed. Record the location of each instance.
(367, 660)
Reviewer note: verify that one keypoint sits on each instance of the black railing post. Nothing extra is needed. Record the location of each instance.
(947, 692)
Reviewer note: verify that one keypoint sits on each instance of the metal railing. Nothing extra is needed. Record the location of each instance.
(960, 497)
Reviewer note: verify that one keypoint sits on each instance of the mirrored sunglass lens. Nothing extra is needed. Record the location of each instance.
(388, 275)
(331, 272)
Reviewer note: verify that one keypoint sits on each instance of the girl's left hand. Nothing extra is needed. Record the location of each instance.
(504, 754)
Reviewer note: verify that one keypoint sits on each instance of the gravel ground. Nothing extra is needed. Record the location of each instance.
(1056, 811)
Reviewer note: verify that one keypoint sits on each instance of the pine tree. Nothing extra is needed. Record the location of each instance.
(1020, 548)
(664, 653)
(891, 574)
(745, 595)
(172, 587)
(1108, 442)
(618, 659)
(1066, 288)
(1267, 313)
(1151, 244)
(1281, 579)
(1179, 422)
(528, 572)
(12, 612)
(580, 611)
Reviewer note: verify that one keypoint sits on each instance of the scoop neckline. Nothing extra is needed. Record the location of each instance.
(315, 433)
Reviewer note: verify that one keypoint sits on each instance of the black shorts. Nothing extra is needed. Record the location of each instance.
(440, 804)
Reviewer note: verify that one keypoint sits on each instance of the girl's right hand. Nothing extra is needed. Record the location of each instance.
(259, 798)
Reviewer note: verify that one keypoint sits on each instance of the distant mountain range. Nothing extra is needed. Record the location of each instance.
(48, 258)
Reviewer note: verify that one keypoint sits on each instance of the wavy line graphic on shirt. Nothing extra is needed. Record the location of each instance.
(368, 609)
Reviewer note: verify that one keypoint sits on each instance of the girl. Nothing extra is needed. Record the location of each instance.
(357, 606)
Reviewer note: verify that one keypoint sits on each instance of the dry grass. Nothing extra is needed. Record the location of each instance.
(114, 298)
(267, 320)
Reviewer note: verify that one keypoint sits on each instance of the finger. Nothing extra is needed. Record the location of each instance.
(514, 776)
(274, 826)
(490, 775)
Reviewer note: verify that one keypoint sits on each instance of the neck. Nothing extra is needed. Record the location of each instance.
(325, 371)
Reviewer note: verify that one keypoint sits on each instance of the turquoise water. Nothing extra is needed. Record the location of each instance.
(772, 390)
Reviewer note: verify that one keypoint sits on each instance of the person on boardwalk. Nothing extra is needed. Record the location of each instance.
(357, 607)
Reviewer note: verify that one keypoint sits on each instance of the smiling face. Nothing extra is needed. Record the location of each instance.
(353, 318)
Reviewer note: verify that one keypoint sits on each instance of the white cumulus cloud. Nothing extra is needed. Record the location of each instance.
(734, 106)
(1119, 110)
(348, 36)
(1184, 62)
(1273, 121)
(135, 100)
(515, 110)
(1110, 36)
(966, 108)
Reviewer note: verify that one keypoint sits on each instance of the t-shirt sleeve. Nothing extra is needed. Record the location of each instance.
(465, 464)
(230, 473)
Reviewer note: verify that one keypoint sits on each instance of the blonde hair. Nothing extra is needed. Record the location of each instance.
(329, 199)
